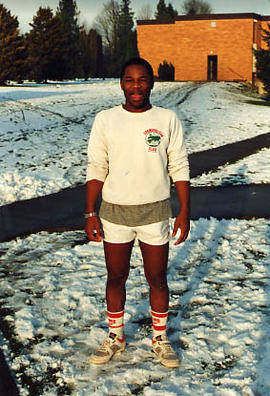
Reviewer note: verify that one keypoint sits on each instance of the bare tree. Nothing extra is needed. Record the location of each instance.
(146, 12)
(115, 24)
(192, 7)
(107, 23)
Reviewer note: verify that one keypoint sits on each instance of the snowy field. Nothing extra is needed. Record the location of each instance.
(52, 304)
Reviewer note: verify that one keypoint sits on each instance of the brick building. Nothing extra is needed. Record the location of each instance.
(204, 47)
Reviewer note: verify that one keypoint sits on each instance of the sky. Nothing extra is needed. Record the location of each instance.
(89, 9)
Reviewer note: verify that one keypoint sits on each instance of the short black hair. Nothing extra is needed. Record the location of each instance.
(137, 61)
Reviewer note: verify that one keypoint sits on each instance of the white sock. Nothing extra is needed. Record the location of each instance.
(116, 323)
(159, 320)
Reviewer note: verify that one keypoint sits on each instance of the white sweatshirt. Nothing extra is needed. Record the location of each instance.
(135, 154)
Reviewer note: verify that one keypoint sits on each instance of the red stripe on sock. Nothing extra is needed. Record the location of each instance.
(159, 328)
(115, 327)
(115, 314)
(159, 315)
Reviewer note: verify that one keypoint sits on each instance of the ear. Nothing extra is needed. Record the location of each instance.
(121, 85)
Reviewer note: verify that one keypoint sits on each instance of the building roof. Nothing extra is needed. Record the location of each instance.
(204, 17)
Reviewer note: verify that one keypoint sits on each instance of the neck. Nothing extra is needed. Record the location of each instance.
(137, 110)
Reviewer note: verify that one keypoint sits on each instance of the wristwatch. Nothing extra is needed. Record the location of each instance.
(90, 214)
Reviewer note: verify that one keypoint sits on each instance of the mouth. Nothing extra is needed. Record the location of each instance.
(137, 96)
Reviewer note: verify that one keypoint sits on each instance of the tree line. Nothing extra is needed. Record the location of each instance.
(57, 47)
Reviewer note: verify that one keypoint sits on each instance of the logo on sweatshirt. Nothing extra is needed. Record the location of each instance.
(153, 138)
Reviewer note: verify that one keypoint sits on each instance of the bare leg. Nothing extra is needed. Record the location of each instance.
(117, 257)
(155, 260)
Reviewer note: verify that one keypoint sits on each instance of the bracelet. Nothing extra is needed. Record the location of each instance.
(91, 214)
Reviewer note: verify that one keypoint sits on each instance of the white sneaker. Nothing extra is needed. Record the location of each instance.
(110, 347)
(162, 348)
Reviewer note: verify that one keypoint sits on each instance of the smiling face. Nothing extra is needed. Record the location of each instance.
(136, 85)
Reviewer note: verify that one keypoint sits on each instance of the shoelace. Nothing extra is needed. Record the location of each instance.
(106, 345)
(167, 347)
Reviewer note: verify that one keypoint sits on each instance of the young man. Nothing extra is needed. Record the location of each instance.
(133, 151)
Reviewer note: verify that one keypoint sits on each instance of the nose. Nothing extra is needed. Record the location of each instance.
(137, 83)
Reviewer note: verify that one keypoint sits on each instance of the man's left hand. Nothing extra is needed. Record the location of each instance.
(181, 222)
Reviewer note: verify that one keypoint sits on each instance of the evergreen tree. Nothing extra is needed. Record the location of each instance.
(127, 37)
(68, 12)
(165, 12)
(171, 11)
(161, 12)
(46, 46)
(91, 50)
(192, 7)
(95, 44)
(166, 71)
(12, 48)
(86, 56)
(263, 62)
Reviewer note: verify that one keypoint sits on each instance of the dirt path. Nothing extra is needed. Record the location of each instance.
(204, 161)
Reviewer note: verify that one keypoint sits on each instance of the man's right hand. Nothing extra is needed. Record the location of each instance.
(93, 229)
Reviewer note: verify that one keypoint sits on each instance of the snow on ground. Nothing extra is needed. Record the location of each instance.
(218, 114)
(52, 285)
(53, 288)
